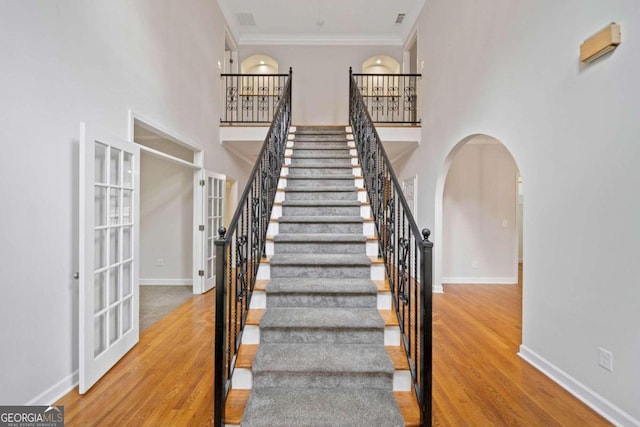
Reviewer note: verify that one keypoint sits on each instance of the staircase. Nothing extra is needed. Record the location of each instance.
(321, 359)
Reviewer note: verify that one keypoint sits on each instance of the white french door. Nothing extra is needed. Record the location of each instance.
(109, 249)
(214, 216)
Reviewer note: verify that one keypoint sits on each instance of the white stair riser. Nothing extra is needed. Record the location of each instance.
(251, 335)
(377, 272)
(372, 248)
(384, 300)
(258, 300)
(242, 379)
(402, 381)
(391, 335)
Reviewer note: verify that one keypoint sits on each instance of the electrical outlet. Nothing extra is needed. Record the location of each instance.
(605, 359)
(505, 223)
(160, 262)
(475, 264)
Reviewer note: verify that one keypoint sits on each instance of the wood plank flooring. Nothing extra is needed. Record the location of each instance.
(167, 379)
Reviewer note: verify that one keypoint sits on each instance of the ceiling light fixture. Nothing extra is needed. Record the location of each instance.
(261, 62)
(379, 61)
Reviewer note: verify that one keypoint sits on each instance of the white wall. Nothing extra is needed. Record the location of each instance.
(511, 70)
(166, 222)
(480, 237)
(320, 77)
(63, 62)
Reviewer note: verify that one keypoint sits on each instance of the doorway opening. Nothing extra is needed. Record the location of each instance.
(410, 55)
(230, 65)
(479, 214)
(167, 221)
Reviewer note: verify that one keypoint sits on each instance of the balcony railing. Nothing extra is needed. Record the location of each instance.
(405, 250)
(251, 98)
(391, 98)
(240, 248)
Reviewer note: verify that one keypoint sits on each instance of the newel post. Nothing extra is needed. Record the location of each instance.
(219, 389)
(426, 343)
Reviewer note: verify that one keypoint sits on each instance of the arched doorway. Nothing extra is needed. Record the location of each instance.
(478, 215)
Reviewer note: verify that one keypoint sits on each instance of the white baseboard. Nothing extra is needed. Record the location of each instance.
(481, 280)
(438, 289)
(166, 282)
(56, 391)
(590, 398)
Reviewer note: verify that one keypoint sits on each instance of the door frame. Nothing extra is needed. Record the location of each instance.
(198, 173)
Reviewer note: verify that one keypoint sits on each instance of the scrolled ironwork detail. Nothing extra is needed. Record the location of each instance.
(405, 250)
(241, 266)
(240, 248)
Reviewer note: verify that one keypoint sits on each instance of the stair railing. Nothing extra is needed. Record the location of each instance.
(405, 250)
(391, 98)
(240, 248)
(251, 98)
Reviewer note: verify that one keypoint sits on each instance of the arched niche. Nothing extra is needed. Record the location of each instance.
(381, 64)
(259, 64)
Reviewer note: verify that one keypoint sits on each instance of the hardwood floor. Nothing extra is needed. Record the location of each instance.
(478, 377)
(165, 380)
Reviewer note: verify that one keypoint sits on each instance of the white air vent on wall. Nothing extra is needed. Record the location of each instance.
(246, 19)
(400, 18)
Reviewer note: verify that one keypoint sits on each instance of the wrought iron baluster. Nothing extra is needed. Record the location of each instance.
(407, 258)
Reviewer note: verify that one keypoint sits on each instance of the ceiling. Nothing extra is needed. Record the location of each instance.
(366, 22)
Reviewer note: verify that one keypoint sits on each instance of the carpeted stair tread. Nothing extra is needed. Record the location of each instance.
(320, 260)
(323, 203)
(321, 188)
(326, 358)
(320, 238)
(322, 318)
(275, 407)
(321, 359)
(320, 219)
(321, 178)
(321, 286)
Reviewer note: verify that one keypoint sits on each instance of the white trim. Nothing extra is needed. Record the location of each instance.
(166, 282)
(315, 40)
(157, 129)
(56, 391)
(589, 397)
(166, 156)
(482, 280)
